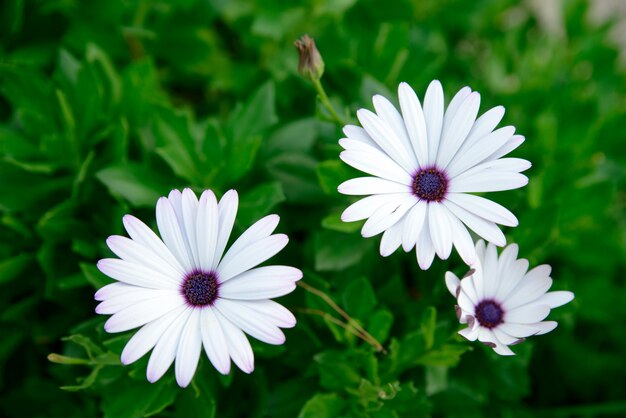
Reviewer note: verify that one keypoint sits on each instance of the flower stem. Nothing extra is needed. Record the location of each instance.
(350, 321)
(321, 93)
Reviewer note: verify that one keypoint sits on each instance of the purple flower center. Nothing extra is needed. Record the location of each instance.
(200, 289)
(489, 313)
(430, 185)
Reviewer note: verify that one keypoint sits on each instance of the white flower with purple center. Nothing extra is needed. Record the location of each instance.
(501, 301)
(425, 161)
(185, 293)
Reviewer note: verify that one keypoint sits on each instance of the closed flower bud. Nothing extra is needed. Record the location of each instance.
(311, 64)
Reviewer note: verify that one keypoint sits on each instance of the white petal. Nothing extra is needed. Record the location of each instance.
(464, 300)
(491, 281)
(469, 333)
(545, 327)
(503, 337)
(261, 283)
(165, 349)
(520, 330)
(189, 217)
(424, 249)
(207, 230)
(255, 325)
(261, 229)
(468, 288)
(477, 282)
(507, 258)
(238, 345)
(556, 299)
(440, 231)
(133, 295)
(487, 230)
(484, 208)
(377, 164)
(508, 146)
(511, 278)
(487, 181)
(458, 128)
(461, 238)
(392, 238)
(214, 341)
(483, 126)
(112, 290)
(137, 275)
(148, 335)
(528, 292)
(227, 211)
(142, 312)
(273, 311)
(414, 121)
(516, 165)
(480, 151)
(452, 283)
(538, 272)
(385, 138)
(189, 347)
(413, 224)
(527, 314)
(455, 105)
(171, 233)
(433, 114)
(392, 118)
(386, 216)
(143, 235)
(251, 256)
(135, 253)
(365, 207)
(359, 134)
(371, 185)
(486, 335)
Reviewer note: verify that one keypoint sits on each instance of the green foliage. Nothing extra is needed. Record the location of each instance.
(105, 106)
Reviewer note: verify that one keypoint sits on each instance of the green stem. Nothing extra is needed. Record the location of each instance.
(326, 102)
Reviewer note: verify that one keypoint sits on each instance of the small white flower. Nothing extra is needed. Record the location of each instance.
(185, 294)
(425, 162)
(501, 301)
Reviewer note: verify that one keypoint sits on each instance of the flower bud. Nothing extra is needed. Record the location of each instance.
(311, 64)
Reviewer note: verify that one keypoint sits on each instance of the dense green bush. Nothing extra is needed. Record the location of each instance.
(106, 105)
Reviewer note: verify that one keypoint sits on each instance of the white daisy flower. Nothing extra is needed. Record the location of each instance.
(425, 162)
(185, 293)
(501, 301)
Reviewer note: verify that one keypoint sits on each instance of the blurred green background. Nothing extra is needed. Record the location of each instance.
(107, 105)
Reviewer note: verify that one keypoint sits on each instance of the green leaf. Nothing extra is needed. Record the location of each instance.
(334, 223)
(254, 116)
(331, 174)
(134, 183)
(296, 136)
(297, 174)
(138, 398)
(91, 348)
(359, 298)
(447, 355)
(337, 251)
(11, 268)
(321, 405)
(380, 325)
(338, 370)
(94, 276)
(428, 324)
(259, 201)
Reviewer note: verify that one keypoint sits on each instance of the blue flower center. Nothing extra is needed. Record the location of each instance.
(200, 289)
(430, 185)
(489, 314)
